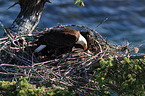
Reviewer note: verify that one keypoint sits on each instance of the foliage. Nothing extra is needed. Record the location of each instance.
(23, 88)
(126, 77)
(79, 2)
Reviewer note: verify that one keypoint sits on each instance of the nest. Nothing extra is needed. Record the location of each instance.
(75, 70)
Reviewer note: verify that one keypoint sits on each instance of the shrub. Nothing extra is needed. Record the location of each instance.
(23, 88)
(126, 77)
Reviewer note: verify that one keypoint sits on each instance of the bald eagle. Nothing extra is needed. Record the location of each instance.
(64, 38)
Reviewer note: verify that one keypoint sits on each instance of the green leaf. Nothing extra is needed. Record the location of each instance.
(81, 4)
(76, 1)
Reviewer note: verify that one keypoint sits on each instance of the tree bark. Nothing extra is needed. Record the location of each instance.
(28, 17)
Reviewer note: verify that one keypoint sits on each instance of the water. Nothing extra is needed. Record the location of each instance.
(126, 18)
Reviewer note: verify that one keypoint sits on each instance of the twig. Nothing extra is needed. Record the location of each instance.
(9, 73)
(100, 23)
(131, 57)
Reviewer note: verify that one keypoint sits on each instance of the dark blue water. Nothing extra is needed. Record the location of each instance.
(126, 18)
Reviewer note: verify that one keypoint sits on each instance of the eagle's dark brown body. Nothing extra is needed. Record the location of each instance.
(59, 38)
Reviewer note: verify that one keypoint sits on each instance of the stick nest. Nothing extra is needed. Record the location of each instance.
(75, 70)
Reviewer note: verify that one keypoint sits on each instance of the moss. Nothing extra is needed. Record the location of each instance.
(23, 88)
